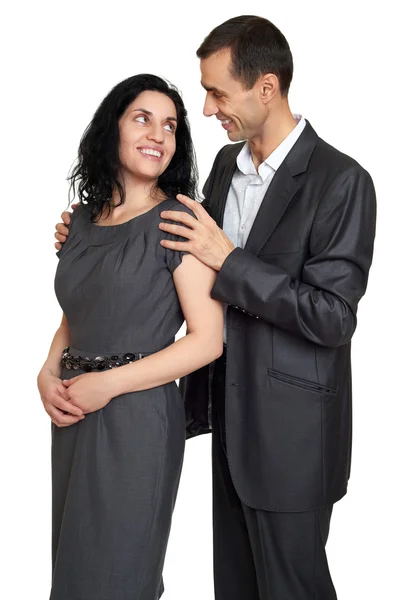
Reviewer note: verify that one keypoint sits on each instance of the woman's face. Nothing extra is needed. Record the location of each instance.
(147, 136)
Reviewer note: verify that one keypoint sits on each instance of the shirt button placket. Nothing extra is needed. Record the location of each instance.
(248, 191)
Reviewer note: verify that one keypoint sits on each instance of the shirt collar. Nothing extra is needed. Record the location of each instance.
(272, 162)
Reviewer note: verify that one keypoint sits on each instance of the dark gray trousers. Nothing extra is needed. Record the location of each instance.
(260, 555)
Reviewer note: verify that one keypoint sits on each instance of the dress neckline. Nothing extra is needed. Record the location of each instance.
(101, 235)
(132, 219)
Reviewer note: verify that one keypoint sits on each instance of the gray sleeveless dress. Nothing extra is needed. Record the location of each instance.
(115, 474)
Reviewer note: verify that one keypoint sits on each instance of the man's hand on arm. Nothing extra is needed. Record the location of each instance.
(62, 228)
(206, 241)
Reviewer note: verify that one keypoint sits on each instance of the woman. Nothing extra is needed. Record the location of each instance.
(118, 433)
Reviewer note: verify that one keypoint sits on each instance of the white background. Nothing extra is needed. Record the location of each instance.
(59, 61)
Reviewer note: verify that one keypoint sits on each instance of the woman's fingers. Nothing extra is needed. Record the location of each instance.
(59, 418)
(66, 406)
(63, 391)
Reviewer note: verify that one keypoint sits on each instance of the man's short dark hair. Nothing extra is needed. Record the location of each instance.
(257, 47)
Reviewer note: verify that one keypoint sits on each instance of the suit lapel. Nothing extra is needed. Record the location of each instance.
(277, 198)
(281, 191)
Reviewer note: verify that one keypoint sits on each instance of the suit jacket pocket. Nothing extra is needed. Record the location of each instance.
(300, 431)
(301, 383)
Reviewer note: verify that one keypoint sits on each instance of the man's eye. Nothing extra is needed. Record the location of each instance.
(216, 95)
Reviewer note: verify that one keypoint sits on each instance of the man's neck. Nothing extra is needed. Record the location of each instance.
(276, 128)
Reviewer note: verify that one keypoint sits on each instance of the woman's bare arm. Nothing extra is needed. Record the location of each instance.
(202, 344)
(61, 340)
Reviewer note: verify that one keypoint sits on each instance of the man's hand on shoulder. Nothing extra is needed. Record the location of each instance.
(206, 241)
(62, 228)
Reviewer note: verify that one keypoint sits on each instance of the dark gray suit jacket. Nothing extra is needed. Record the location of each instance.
(292, 296)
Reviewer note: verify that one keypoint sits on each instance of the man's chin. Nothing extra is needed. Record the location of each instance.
(235, 136)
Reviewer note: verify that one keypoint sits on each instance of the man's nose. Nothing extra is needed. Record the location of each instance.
(210, 107)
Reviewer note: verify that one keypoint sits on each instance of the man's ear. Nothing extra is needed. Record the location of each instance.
(269, 87)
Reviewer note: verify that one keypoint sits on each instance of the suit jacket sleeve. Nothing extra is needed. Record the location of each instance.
(321, 306)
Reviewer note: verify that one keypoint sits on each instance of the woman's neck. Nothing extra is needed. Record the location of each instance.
(140, 196)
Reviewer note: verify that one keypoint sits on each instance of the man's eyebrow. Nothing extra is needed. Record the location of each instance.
(147, 112)
(212, 89)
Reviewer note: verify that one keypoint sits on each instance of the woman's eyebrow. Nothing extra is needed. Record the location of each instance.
(147, 112)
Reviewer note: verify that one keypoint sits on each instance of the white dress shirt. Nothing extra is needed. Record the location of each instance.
(249, 186)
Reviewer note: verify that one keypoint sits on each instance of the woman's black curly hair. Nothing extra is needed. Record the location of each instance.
(97, 172)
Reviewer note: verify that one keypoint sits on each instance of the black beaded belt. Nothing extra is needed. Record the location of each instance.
(99, 363)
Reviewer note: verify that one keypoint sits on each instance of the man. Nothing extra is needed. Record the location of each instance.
(288, 223)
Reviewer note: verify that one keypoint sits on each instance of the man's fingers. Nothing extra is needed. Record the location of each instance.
(57, 245)
(179, 217)
(61, 234)
(66, 217)
(195, 206)
(74, 206)
(186, 200)
(62, 229)
(177, 230)
(180, 246)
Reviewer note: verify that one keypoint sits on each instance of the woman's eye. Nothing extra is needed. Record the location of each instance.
(170, 127)
(139, 117)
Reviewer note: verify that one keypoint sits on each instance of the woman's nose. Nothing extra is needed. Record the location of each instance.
(156, 133)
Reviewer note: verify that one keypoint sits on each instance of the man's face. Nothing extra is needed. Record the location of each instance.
(241, 112)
